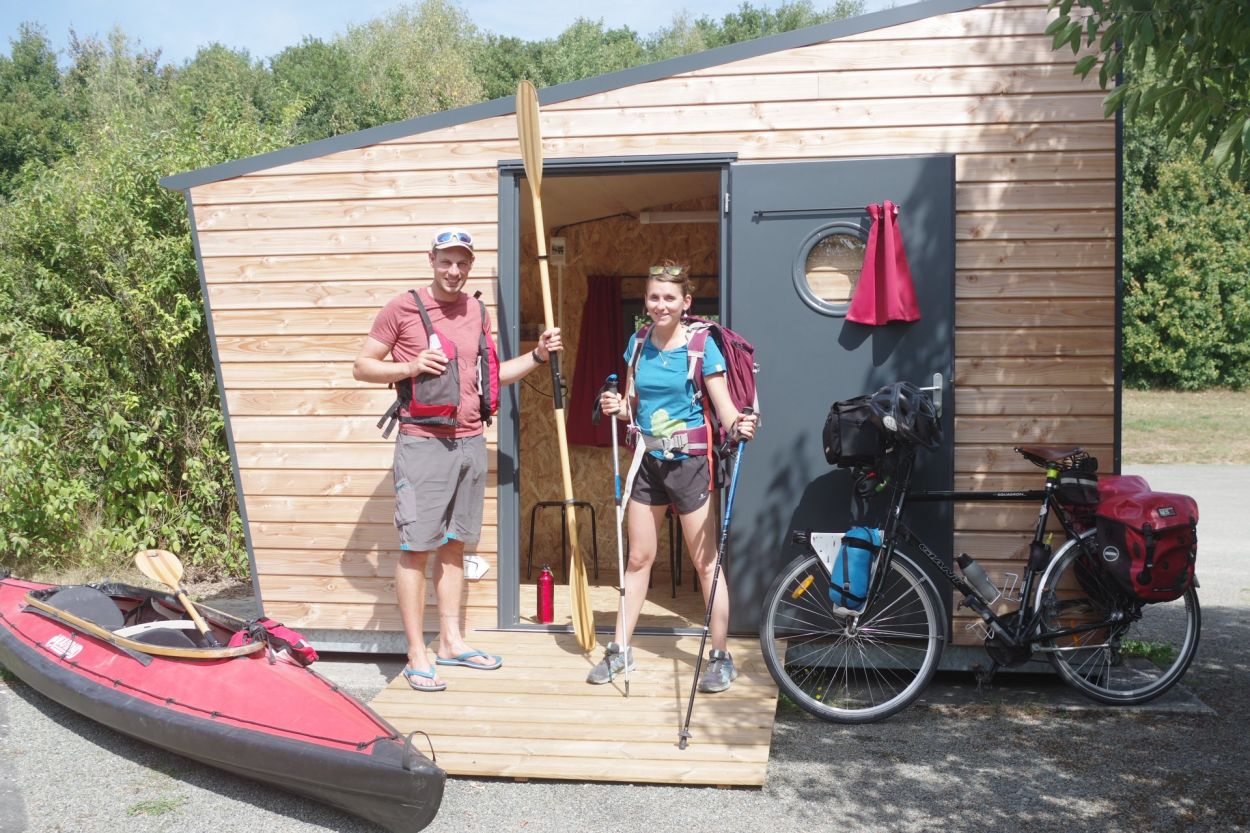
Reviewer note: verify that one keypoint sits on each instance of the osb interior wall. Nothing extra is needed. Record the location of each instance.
(605, 249)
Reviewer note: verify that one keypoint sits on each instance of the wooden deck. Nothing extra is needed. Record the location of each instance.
(537, 718)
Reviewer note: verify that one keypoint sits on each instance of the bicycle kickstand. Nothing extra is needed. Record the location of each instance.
(985, 676)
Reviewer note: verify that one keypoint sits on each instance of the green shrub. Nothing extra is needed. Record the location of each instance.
(1186, 270)
(111, 434)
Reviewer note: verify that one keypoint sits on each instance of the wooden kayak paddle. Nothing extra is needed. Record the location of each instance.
(164, 566)
(532, 156)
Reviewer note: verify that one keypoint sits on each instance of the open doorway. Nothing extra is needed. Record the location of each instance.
(613, 227)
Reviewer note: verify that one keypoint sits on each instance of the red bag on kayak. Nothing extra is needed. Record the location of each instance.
(279, 637)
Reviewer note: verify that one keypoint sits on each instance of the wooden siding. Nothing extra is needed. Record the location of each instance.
(299, 258)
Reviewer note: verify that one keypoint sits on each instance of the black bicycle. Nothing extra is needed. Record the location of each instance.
(859, 666)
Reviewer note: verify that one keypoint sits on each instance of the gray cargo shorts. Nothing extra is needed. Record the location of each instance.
(440, 487)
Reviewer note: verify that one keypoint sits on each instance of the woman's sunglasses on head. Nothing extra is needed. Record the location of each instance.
(675, 271)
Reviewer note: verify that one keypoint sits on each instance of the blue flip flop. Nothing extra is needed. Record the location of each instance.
(464, 661)
(409, 673)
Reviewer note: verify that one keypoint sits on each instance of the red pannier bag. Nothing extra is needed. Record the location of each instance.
(1149, 543)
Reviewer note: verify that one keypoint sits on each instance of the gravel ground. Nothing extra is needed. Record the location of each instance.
(1028, 755)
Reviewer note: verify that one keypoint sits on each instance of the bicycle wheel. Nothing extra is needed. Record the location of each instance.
(851, 669)
(1142, 651)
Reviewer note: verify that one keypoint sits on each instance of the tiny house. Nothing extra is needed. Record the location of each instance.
(755, 164)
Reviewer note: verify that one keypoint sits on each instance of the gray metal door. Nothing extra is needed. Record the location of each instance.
(811, 356)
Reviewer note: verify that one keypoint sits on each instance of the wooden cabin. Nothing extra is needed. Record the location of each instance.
(754, 163)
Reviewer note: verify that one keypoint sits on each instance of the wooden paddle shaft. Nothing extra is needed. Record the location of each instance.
(531, 152)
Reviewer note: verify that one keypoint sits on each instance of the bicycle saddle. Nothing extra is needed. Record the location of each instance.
(1043, 455)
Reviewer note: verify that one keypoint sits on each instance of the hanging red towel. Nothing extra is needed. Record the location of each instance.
(885, 292)
(600, 349)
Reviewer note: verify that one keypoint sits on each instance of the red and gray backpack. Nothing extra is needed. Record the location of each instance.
(431, 399)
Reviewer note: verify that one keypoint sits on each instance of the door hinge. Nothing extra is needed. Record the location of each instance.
(726, 203)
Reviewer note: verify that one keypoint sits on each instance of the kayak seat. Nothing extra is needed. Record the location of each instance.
(168, 634)
(89, 604)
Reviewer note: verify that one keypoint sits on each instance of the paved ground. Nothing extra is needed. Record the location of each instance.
(1026, 757)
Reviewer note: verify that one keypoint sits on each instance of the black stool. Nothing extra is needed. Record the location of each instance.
(564, 536)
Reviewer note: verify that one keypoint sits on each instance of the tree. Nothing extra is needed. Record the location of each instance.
(35, 114)
(416, 60)
(750, 22)
(317, 79)
(1185, 63)
(1186, 255)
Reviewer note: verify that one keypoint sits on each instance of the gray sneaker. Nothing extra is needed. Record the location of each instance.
(720, 672)
(613, 663)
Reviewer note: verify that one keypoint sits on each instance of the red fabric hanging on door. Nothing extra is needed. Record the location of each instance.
(885, 292)
(600, 349)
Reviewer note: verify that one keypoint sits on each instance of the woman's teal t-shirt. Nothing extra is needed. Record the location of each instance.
(665, 396)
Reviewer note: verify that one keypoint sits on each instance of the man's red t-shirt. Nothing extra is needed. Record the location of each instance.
(399, 325)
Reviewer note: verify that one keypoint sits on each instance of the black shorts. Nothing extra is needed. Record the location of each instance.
(683, 483)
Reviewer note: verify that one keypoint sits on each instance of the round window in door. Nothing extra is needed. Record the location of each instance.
(828, 265)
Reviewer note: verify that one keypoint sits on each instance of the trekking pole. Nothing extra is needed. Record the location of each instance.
(610, 385)
(684, 735)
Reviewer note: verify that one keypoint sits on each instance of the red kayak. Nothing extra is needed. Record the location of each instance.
(129, 658)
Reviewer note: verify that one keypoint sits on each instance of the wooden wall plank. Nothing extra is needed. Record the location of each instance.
(341, 536)
(1035, 341)
(1042, 371)
(1035, 430)
(1039, 283)
(364, 267)
(400, 211)
(334, 509)
(309, 402)
(1023, 312)
(992, 401)
(1033, 225)
(1001, 460)
(367, 294)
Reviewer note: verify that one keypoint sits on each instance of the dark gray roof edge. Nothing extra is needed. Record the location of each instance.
(573, 89)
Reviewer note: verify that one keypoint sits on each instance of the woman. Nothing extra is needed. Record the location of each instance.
(674, 469)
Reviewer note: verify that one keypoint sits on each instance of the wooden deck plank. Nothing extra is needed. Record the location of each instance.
(537, 718)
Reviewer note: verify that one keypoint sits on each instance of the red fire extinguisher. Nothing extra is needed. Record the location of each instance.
(546, 596)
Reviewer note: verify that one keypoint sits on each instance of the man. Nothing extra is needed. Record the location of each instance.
(440, 461)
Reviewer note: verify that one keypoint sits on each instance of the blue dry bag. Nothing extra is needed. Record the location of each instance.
(848, 582)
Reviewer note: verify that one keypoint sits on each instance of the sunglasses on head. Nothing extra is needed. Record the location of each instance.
(448, 236)
(675, 271)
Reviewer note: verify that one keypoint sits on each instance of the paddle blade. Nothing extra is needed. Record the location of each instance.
(529, 133)
(160, 565)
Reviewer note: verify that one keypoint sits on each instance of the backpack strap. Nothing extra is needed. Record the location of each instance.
(635, 354)
(695, 348)
(483, 354)
(430, 335)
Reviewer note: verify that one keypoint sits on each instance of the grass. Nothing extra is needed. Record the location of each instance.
(1184, 427)
(1160, 653)
(156, 806)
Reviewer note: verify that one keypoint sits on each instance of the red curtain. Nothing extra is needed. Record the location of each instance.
(885, 291)
(599, 349)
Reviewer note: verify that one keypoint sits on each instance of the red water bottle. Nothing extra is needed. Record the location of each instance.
(546, 596)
